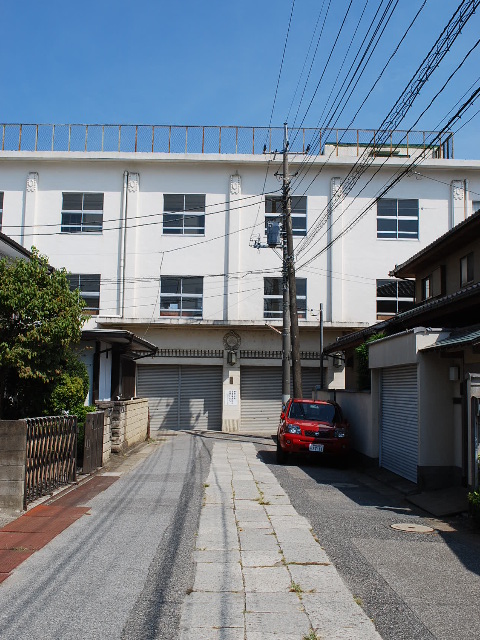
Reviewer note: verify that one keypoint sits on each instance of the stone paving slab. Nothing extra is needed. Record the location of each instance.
(217, 576)
(260, 573)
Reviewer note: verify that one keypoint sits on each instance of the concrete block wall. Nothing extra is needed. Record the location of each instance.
(129, 422)
(13, 446)
(136, 423)
(107, 436)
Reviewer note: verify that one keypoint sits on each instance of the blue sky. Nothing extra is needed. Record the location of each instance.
(217, 62)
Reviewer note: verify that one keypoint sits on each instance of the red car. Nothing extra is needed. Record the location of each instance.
(312, 426)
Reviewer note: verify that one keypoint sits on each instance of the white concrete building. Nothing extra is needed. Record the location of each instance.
(156, 226)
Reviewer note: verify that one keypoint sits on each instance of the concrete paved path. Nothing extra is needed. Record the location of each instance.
(260, 574)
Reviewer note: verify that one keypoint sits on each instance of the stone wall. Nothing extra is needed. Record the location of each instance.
(129, 422)
(13, 446)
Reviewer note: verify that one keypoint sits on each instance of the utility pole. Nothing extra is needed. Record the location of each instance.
(286, 346)
(290, 269)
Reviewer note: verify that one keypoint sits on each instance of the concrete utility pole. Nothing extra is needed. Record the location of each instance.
(290, 268)
(286, 345)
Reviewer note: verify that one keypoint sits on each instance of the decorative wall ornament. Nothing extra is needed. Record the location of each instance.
(235, 185)
(32, 182)
(133, 182)
(231, 341)
(457, 189)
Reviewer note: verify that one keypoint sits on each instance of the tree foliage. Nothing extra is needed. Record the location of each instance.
(361, 354)
(40, 320)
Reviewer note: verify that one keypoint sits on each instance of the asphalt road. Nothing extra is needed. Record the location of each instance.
(415, 586)
(124, 570)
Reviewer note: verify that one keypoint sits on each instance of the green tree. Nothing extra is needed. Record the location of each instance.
(40, 320)
(363, 371)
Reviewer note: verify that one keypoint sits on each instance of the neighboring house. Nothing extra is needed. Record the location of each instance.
(425, 372)
(159, 228)
(11, 249)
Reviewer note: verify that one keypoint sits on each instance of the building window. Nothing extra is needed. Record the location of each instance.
(397, 219)
(475, 206)
(273, 297)
(427, 290)
(466, 270)
(394, 296)
(1, 209)
(184, 214)
(88, 287)
(82, 212)
(181, 296)
(274, 213)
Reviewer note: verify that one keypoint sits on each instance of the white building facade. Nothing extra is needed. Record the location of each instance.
(159, 240)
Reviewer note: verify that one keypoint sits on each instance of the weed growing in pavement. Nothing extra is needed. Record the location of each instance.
(296, 588)
(206, 485)
(311, 636)
(358, 600)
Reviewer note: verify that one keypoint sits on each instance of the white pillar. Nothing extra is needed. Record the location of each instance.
(29, 212)
(334, 292)
(231, 309)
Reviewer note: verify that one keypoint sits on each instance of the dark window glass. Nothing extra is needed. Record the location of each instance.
(171, 285)
(315, 412)
(173, 202)
(93, 202)
(407, 228)
(406, 288)
(273, 204)
(72, 201)
(192, 285)
(405, 305)
(1, 199)
(408, 208)
(387, 207)
(466, 269)
(387, 306)
(88, 286)
(386, 289)
(195, 202)
(299, 204)
(273, 286)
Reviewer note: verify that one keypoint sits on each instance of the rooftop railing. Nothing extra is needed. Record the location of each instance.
(125, 138)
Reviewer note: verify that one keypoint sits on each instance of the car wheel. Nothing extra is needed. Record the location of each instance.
(282, 456)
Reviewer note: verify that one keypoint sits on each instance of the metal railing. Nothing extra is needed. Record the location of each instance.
(51, 455)
(126, 138)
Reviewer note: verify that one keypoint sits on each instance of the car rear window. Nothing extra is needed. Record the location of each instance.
(309, 411)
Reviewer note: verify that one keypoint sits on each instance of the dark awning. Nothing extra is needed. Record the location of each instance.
(135, 347)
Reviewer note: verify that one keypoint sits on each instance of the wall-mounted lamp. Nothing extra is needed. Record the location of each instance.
(232, 357)
(337, 360)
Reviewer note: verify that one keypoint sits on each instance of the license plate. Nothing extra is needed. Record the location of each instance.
(316, 447)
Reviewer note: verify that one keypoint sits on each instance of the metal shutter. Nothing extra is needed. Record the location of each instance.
(399, 421)
(181, 397)
(201, 398)
(261, 396)
(159, 383)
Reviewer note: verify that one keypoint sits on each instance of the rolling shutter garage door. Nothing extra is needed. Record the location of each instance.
(399, 427)
(182, 397)
(261, 396)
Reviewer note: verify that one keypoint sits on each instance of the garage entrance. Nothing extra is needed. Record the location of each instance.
(182, 396)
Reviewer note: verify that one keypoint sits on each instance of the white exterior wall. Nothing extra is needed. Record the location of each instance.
(342, 278)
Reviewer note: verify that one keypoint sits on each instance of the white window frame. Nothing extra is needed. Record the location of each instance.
(2, 195)
(278, 315)
(397, 300)
(83, 226)
(277, 215)
(396, 233)
(175, 304)
(181, 229)
(76, 284)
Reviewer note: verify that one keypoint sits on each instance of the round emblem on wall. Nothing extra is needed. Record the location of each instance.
(231, 341)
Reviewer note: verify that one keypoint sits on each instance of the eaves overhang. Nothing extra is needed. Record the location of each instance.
(462, 234)
(444, 311)
(134, 345)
